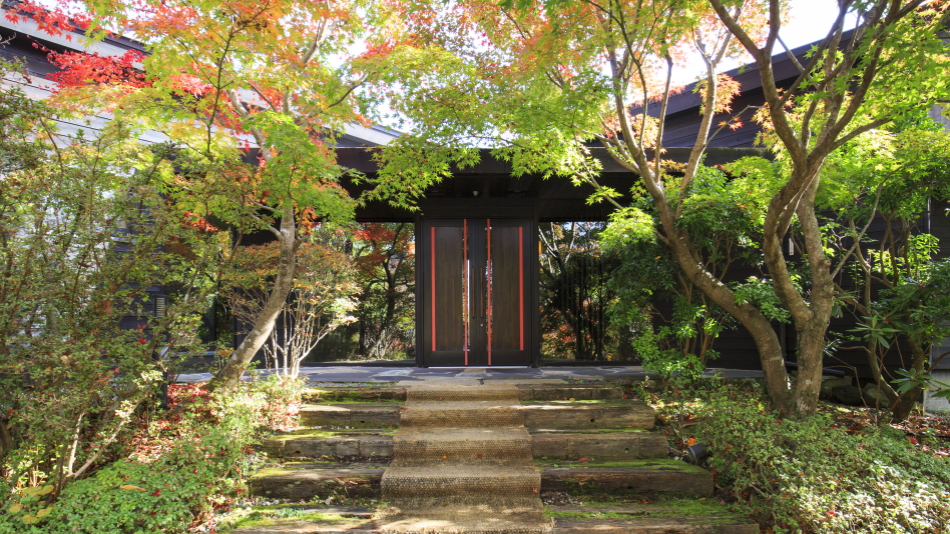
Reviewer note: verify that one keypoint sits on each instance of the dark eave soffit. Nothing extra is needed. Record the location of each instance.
(558, 198)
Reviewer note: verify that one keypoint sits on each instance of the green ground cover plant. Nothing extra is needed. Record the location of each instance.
(179, 467)
(841, 470)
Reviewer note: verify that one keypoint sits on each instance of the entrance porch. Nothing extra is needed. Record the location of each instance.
(380, 374)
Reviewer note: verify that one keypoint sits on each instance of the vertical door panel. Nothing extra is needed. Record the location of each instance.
(448, 275)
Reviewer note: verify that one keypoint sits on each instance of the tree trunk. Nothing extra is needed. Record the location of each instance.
(811, 349)
(758, 326)
(230, 374)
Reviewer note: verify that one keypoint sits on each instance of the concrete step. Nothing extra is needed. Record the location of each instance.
(324, 480)
(482, 446)
(464, 481)
(537, 415)
(550, 444)
(461, 414)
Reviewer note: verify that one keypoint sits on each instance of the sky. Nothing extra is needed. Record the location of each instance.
(810, 22)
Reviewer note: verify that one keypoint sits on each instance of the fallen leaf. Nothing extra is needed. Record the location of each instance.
(131, 487)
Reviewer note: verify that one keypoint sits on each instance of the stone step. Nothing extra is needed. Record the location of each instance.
(551, 392)
(303, 520)
(441, 393)
(537, 415)
(320, 481)
(305, 481)
(526, 392)
(643, 519)
(601, 446)
(377, 445)
(589, 414)
(551, 444)
(295, 527)
(361, 415)
(638, 477)
(648, 519)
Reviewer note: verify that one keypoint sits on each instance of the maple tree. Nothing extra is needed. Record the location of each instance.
(322, 299)
(251, 95)
(896, 286)
(383, 254)
(576, 294)
(537, 82)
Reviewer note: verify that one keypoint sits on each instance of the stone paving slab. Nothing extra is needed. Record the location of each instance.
(413, 375)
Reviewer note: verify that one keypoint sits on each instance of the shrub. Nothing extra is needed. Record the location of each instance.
(86, 233)
(200, 458)
(809, 476)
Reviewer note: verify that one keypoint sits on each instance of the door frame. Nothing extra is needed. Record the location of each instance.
(481, 208)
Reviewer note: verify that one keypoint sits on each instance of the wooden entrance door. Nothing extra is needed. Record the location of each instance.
(477, 289)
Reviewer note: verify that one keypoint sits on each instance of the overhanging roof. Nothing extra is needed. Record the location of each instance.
(558, 198)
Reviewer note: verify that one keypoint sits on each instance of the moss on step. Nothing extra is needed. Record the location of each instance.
(268, 517)
(549, 513)
(289, 468)
(353, 397)
(356, 391)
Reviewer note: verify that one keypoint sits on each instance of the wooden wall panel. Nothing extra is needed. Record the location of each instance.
(507, 298)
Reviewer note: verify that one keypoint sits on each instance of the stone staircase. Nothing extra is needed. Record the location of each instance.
(431, 460)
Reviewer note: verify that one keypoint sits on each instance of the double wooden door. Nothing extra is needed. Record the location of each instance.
(477, 292)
